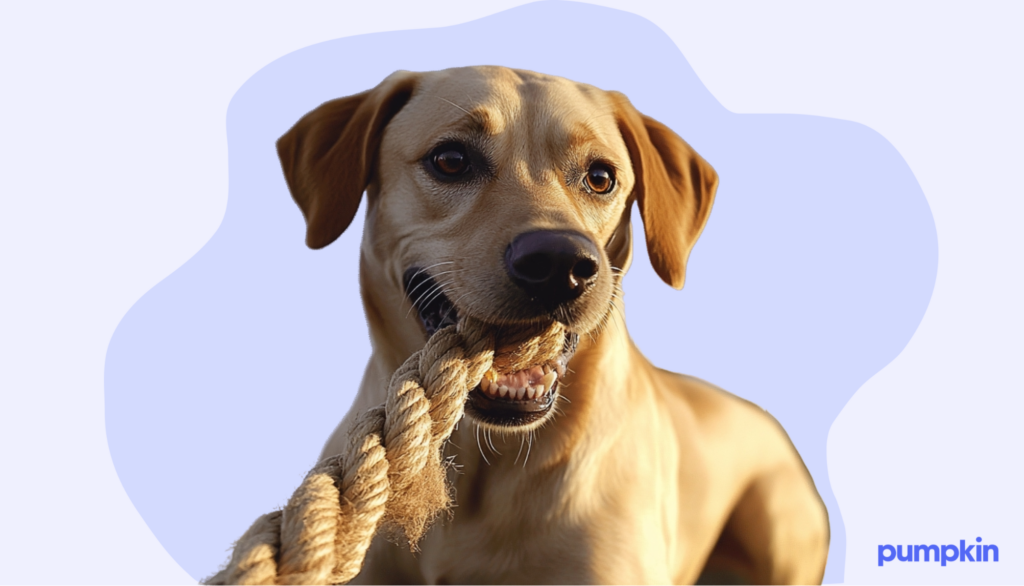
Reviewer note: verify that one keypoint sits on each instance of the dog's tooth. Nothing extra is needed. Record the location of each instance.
(530, 392)
(549, 379)
(541, 389)
(502, 391)
(485, 384)
(520, 393)
(536, 372)
(522, 378)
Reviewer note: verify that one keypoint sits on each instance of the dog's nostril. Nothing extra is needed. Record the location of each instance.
(584, 269)
(534, 267)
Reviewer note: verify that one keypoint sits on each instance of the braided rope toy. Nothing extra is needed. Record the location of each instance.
(391, 472)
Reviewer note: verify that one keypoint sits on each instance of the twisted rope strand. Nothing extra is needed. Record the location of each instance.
(391, 470)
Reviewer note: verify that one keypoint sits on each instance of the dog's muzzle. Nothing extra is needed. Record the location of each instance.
(509, 401)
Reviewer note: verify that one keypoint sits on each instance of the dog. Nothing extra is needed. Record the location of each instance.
(506, 195)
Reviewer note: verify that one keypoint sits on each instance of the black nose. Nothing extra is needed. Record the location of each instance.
(552, 266)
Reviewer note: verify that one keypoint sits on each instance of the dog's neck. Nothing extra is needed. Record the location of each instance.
(555, 467)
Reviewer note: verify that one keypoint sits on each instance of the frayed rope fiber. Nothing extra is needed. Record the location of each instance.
(391, 473)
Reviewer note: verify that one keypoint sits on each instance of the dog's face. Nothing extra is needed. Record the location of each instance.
(499, 194)
(516, 181)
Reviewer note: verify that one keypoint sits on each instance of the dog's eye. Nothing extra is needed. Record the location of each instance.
(600, 178)
(450, 159)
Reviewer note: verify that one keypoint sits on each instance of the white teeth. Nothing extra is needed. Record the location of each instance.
(535, 384)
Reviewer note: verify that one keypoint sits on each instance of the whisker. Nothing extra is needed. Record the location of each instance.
(443, 273)
(440, 287)
(440, 291)
(622, 316)
(615, 321)
(433, 280)
(492, 444)
(436, 264)
(522, 441)
(456, 105)
(433, 291)
(416, 301)
(415, 304)
(528, 448)
(479, 447)
(421, 271)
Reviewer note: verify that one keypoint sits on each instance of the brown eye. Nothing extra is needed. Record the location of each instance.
(600, 178)
(450, 160)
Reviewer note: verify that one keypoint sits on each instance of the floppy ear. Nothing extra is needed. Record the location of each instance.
(674, 189)
(329, 155)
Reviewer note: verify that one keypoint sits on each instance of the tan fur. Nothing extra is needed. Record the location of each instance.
(643, 476)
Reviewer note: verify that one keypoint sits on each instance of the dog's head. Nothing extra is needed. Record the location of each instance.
(500, 194)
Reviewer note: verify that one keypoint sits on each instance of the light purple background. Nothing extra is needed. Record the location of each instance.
(114, 173)
(812, 274)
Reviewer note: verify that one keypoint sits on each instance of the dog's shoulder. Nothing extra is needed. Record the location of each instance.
(722, 419)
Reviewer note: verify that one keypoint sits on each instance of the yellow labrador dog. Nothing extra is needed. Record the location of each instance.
(505, 195)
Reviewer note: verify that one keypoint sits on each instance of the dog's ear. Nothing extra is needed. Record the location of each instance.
(674, 189)
(329, 155)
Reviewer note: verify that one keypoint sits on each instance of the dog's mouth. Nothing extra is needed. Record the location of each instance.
(508, 401)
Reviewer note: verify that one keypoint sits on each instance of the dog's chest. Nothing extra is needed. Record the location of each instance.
(503, 530)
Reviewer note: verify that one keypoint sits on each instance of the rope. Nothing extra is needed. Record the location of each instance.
(391, 472)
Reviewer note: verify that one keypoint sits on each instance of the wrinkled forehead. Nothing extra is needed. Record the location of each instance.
(495, 101)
